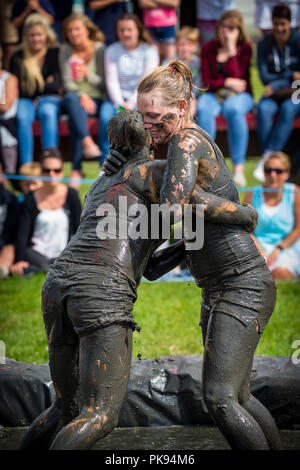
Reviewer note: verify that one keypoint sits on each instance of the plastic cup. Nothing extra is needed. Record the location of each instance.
(73, 63)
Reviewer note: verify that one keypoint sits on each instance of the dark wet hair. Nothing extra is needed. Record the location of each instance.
(126, 129)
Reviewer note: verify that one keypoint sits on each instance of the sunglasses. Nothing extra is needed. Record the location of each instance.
(48, 170)
(278, 171)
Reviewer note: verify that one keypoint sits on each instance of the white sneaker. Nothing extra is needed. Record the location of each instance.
(258, 173)
(239, 178)
(4, 272)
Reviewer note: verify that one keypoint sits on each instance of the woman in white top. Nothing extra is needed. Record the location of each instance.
(128, 60)
(49, 218)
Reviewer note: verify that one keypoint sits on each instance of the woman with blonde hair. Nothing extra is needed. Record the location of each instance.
(225, 66)
(238, 291)
(35, 64)
(277, 202)
(81, 62)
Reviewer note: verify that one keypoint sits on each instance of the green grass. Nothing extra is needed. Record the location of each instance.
(168, 314)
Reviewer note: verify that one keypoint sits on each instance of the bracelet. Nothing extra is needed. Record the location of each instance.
(280, 247)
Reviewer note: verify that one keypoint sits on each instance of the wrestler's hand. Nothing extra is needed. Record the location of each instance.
(253, 216)
(114, 160)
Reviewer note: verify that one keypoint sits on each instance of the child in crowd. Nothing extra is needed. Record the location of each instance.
(187, 42)
(160, 18)
(33, 169)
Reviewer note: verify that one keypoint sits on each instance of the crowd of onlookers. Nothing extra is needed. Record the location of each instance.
(57, 60)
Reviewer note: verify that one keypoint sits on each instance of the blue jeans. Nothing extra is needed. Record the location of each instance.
(46, 109)
(234, 109)
(275, 137)
(78, 125)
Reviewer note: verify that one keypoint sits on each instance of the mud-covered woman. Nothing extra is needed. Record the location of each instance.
(89, 292)
(238, 292)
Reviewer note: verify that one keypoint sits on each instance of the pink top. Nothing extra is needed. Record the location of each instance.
(158, 17)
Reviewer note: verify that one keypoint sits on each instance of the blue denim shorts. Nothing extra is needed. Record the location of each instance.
(163, 34)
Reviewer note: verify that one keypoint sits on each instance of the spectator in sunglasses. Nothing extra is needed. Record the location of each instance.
(277, 202)
(49, 217)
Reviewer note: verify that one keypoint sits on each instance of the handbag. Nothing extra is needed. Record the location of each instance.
(223, 93)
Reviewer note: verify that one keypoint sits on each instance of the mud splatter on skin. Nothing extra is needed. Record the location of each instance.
(108, 345)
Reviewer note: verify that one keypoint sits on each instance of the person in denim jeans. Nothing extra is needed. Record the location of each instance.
(278, 59)
(225, 64)
(81, 62)
(35, 64)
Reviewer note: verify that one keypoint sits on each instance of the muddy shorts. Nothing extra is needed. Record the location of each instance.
(248, 297)
(76, 301)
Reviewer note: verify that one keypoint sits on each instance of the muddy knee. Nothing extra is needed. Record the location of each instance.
(218, 398)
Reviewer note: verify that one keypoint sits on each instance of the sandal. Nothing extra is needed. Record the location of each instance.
(91, 152)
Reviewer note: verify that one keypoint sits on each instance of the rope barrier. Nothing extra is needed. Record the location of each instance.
(91, 181)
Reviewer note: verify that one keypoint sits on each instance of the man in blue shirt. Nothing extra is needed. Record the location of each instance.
(278, 59)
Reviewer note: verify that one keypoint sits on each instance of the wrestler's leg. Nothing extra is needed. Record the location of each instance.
(63, 363)
(260, 414)
(228, 354)
(105, 358)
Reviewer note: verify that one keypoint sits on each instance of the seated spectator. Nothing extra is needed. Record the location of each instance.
(8, 133)
(225, 68)
(128, 60)
(9, 35)
(35, 64)
(186, 47)
(208, 13)
(82, 68)
(263, 14)
(160, 18)
(27, 185)
(277, 234)
(24, 8)
(49, 217)
(106, 12)
(9, 217)
(278, 59)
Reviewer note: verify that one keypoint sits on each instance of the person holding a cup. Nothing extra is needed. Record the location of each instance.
(82, 67)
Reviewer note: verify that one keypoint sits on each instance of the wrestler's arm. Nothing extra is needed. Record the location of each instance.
(190, 156)
(148, 177)
(164, 260)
